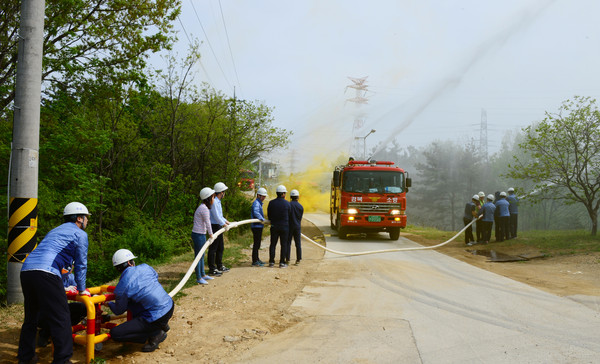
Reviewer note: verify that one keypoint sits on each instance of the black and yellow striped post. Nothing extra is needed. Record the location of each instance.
(23, 182)
(22, 228)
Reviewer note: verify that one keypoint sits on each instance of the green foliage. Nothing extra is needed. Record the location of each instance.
(562, 156)
(85, 38)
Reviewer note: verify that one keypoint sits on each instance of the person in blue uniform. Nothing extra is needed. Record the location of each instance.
(256, 212)
(502, 209)
(513, 208)
(278, 212)
(487, 210)
(77, 310)
(296, 212)
(42, 285)
(217, 221)
(140, 292)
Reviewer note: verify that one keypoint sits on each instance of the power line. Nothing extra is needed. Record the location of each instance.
(210, 46)
(184, 31)
(229, 45)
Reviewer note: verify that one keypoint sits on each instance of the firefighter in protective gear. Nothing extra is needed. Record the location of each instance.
(140, 292)
(42, 285)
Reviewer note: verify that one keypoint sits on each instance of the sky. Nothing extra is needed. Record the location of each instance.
(432, 67)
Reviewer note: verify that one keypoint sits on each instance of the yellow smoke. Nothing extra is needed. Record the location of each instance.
(313, 184)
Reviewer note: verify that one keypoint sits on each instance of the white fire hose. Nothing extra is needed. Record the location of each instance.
(238, 223)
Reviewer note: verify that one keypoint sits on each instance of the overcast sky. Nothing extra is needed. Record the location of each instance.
(432, 65)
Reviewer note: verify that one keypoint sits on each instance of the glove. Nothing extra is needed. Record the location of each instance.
(71, 289)
(85, 293)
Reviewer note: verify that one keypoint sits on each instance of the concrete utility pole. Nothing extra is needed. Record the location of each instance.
(23, 189)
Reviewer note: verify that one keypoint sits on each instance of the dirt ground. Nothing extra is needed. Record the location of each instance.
(217, 323)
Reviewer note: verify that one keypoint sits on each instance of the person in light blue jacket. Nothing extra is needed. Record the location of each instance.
(487, 210)
(43, 290)
(140, 292)
(217, 221)
(256, 212)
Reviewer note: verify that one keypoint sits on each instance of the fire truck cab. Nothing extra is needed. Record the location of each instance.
(368, 196)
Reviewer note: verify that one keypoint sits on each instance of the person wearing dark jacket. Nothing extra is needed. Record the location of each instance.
(42, 285)
(140, 293)
(296, 212)
(278, 212)
(469, 214)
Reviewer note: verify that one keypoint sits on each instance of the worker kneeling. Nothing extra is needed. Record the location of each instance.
(140, 292)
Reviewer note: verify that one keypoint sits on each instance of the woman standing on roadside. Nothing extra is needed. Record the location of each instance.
(201, 229)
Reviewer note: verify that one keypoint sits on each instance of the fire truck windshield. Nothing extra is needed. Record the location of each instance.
(372, 181)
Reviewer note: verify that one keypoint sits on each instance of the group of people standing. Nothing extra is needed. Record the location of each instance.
(500, 208)
(138, 290)
(285, 218)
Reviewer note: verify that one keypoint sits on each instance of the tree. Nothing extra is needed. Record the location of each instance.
(447, 178)
(563, 155)
(82, 37)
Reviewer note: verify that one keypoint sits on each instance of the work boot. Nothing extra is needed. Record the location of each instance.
(153, 342)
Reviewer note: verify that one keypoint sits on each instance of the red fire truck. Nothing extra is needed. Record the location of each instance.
(368, 196)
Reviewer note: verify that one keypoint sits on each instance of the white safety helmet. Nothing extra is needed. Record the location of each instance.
(261, 191)
(490, 197)
(481, 194)
(475, 197)
(220, 187)
(76, 208)
(502, 194)
(121, 256)
(294, 193)
(281, 188)
(206, 192)
(510, 189)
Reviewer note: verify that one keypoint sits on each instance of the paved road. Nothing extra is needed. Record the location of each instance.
(425, 307)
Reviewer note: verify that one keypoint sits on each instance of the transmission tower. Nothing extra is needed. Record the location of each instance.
(361, 89)
(483, 141)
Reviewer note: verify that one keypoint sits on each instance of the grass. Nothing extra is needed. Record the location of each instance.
(549, 242)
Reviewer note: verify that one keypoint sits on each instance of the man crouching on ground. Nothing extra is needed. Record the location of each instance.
(140, 292)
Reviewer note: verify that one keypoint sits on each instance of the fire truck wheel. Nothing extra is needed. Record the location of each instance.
(394, 233)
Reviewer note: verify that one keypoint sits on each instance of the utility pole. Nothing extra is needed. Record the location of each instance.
(23, 181)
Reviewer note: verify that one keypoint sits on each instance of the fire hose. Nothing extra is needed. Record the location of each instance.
(200, 254)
